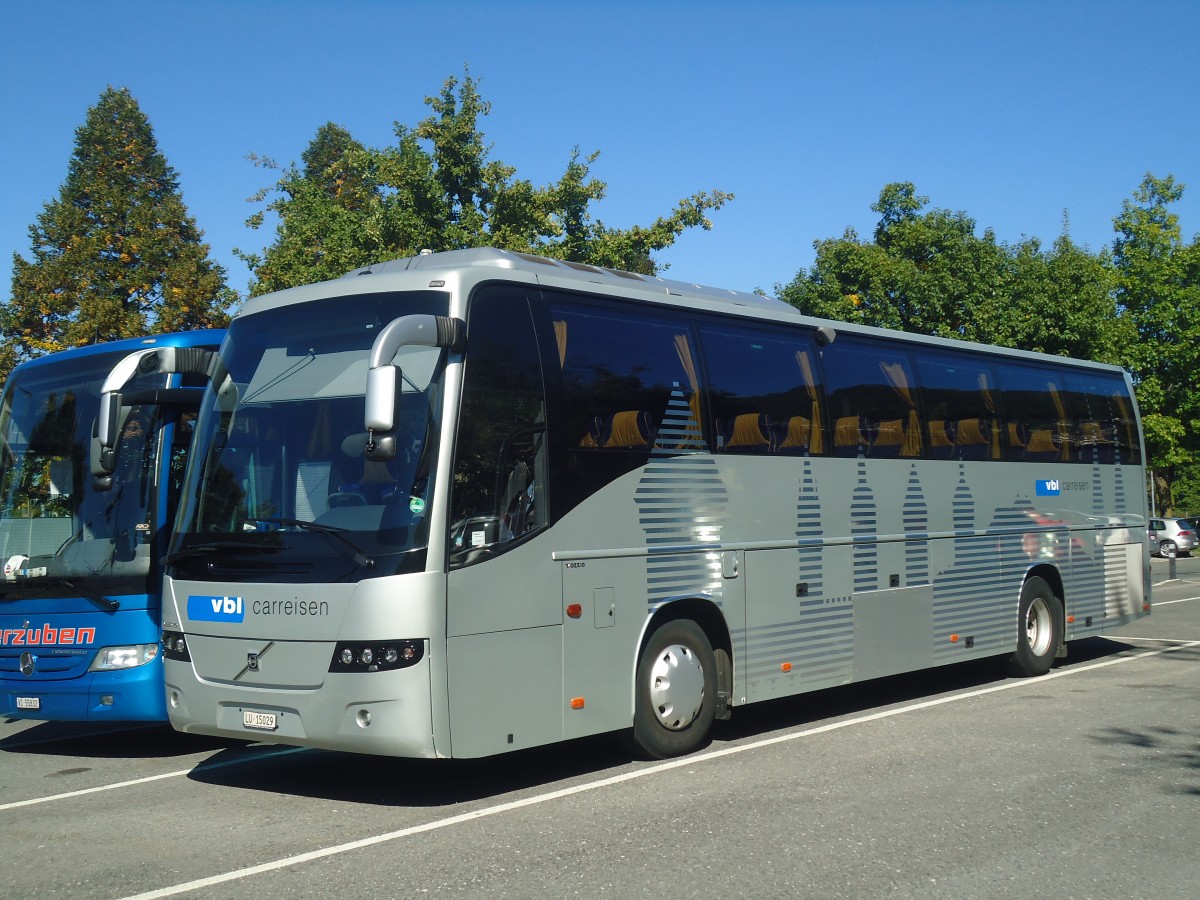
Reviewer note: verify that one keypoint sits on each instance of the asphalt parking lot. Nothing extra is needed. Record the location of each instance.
(951, 783)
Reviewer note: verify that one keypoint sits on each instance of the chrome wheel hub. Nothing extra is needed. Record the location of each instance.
(676, 687)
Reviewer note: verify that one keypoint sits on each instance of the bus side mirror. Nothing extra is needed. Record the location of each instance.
(382, 376)
(381, 398)
(380, 413)
(160, 360)
(103, 459)
(107, 419)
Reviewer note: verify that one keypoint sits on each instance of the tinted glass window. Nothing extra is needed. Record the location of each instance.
(1036, 403)
(628, 387)
(764, 391)
(961, 405)
(873, 407)
(500, 465)
(1103, 429)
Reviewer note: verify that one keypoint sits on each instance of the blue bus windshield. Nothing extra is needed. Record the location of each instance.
(59, 535)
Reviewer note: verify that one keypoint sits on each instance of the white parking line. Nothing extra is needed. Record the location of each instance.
(499, 808)
(136, 781)
(1169, 602)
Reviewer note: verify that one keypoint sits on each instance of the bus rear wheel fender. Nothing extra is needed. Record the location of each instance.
(1039, 629)
(675, 690)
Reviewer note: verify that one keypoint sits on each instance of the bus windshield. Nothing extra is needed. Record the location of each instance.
(286, 490)
(59, 535)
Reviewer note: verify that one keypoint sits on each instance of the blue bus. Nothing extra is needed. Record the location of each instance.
(93, 445)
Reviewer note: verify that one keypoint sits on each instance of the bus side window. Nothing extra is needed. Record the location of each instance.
(499, 487)
(763, 390)
(623, 386)
(1040, 422)
(873, 399)
(963, 407)
(1104, 426)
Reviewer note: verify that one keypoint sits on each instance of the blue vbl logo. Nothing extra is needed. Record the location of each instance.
(1048, 487)
(215, 609)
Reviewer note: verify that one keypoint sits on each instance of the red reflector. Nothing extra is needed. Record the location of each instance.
(576, 703)
(575, 610)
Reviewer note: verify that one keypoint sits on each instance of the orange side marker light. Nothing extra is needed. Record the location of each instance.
(576, 703)
(575, 610)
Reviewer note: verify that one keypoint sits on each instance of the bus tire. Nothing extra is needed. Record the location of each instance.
(1039, 630)
(676, 691)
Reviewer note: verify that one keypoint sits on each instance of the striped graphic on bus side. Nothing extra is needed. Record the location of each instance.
(681, 505)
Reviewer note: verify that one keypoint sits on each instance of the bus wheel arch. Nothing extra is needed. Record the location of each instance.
(682, 679)
(1040, 624)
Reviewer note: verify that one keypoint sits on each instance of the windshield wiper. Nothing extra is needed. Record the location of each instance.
(45, 581)
(210, 547)
(333, 531)
(105, 603)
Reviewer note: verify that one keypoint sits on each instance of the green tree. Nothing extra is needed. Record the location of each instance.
(116, 254)
(926, 271)
(1058, 301)
(1158, 289)
(436, 188)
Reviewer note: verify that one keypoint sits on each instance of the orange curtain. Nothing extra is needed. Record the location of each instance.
(989, 402)
(1064, 425)
(560, 337)
(898, 379)
(693, 430)
(816, 445)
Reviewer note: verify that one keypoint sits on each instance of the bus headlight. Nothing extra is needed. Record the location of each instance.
(376, 656)
(128, 657)
(175, 647)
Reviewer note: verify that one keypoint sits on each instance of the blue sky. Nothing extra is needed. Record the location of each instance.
(1013, 112)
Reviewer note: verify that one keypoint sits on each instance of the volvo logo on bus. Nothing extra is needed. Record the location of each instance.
(27, 662)
(252, 662)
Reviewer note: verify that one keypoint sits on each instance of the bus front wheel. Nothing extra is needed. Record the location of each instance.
(1038, 630)
(676, 692)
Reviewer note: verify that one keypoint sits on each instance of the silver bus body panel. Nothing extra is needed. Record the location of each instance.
(293, 652)
(824, 571)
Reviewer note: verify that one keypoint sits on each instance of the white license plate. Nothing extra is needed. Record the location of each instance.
(260, 720)
(29, 703)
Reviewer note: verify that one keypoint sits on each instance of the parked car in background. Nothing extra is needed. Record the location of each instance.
(1172, 535)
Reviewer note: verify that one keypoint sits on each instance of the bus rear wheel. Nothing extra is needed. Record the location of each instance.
(1039, 633)
(676, 691)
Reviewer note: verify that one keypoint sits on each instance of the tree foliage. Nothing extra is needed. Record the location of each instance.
(927, 270)
(346, 205)
(116, 254)
(1158, 289)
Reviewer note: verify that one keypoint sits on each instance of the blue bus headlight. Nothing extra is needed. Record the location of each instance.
(130, 656)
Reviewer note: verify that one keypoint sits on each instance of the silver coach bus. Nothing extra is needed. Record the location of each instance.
(470, 502)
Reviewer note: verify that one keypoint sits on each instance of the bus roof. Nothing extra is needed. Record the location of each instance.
(195, 338)
(473, 265)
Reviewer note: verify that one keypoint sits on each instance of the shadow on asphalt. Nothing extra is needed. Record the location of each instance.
(387, 781)
(111, 740)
